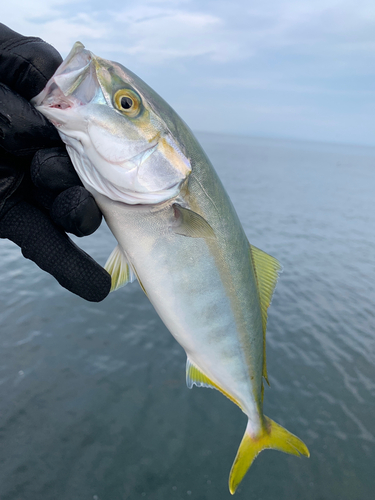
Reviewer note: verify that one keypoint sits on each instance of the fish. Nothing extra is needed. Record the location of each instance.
(178, 233)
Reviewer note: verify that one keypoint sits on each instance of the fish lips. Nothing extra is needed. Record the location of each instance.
(75, 83)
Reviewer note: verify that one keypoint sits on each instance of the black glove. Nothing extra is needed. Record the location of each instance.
(41, 195)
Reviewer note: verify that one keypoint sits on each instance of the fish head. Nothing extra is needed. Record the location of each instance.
(120, 134)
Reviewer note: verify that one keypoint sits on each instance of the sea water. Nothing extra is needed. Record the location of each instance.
(93, 400)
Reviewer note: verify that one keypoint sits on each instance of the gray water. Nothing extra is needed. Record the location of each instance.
(93, 401)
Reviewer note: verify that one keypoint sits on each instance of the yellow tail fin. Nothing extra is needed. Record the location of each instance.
(273, 436)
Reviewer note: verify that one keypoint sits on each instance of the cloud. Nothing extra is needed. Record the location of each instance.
(332, 25)
(154, 32)
(56, 21)
(164, 30)
(160, 34)
(63, 33)
(316, 56)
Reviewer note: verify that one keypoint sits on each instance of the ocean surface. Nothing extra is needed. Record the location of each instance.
(93, 400)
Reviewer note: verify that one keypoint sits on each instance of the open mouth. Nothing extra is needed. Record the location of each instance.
(73, 84)
(54, 98)
(62, 104)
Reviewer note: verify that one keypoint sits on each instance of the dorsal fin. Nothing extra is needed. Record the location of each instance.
(117, 266)
(267, 271)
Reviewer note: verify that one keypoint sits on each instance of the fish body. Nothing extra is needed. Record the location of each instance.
(194, 299)
(177, 233)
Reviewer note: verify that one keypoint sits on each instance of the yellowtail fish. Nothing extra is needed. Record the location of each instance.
(177, 233)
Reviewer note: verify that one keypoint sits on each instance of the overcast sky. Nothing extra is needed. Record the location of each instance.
(278, 68)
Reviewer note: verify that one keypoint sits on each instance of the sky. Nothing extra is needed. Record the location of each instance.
(301, 69)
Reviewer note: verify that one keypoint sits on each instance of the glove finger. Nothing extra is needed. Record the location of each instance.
(23, 130)
(76, 211)
(41, 198)
(52, 169)
(11, 174)
(54, 252)
(26, 63)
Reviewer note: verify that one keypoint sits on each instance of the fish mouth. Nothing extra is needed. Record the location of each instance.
(75, 83)
(56, 100)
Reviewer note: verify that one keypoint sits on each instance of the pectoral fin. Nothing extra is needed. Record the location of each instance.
(191, 224)
(119, 269)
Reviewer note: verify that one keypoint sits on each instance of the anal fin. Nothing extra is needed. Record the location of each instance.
(194, 376)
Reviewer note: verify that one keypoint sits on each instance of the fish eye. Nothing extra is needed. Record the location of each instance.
(127, 102)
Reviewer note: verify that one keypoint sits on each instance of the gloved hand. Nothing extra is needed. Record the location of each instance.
(41, 195)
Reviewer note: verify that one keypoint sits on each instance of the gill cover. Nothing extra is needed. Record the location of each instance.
(119, 145)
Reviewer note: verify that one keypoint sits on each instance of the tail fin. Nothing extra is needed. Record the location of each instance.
(273, 436)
